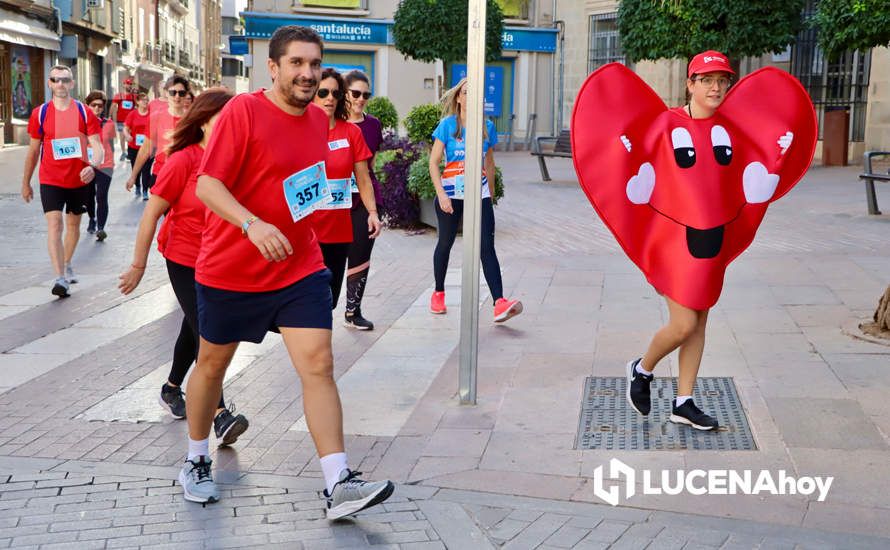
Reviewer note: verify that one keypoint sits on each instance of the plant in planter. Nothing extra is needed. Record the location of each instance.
(382, 108)
(391, 164)
(421, 121)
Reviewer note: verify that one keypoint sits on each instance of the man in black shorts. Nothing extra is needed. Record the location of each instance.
(60, 130)
(260, 267)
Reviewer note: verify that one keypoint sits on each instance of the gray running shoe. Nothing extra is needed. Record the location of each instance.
(351, 495)
(197, 481)
(172, 400)
(228, 426)
(60, 288)
(69, 274)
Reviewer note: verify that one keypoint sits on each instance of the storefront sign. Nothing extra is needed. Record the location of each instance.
(494, 87)
(238, 45)
(529, 40)
(354, 31)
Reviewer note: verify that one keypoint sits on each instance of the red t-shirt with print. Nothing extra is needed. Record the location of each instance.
(255, 146)
(126, 104)
(346, 146)
(179, 239)
(137, 124)
(62, 125)
(160, 127)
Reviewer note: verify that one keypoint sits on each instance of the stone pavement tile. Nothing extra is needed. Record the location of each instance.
(760, 321)
(236, 541)
(540, 410)
(797, 295)
(139, 540)
(566, 536)
(860, 370)
(79, 545)
(819, 315)
(400, 458)
(430, 545)
(518, 483)
(770, 543)
(486, 516)
(827, 339)
(397, 537)
(430, 467)
(785, 380)
(454, 526)
(456, 442)
(537, 532)
(542, 453)
(525, 515)
(741, 542)
(824, 424)
(861, 479)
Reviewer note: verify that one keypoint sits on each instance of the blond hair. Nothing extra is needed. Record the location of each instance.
(450, 106)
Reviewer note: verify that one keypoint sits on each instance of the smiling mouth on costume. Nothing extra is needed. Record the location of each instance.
(703, 244)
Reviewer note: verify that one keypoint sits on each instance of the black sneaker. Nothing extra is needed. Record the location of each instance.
(229, 426)
(356, 321)
(689, 414)
(101, 235)
(91, 227)
(172, 400)
(638, 392)
(60, 287)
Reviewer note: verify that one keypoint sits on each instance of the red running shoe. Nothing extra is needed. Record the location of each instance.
(504, 309)
(437, 303)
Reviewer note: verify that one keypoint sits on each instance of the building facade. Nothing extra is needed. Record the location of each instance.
(358, 35)
(29, 41)
(235, 73)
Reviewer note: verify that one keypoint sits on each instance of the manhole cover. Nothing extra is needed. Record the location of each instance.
(608, 422)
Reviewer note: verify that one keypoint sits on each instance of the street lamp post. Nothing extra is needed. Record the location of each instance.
(469, 311)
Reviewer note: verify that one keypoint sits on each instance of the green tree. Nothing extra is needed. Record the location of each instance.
(656, 29)
(430, 30)
(382, 108)
(851, 25)
(421, 121)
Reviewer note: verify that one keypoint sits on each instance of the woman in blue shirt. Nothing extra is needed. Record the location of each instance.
(449, 141)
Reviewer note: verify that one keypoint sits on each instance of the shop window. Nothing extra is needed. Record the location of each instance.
(514, 9)
(341, 4)
(605, 43)
(841, 83)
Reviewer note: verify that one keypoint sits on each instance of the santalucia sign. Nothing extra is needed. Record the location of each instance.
(705, 482)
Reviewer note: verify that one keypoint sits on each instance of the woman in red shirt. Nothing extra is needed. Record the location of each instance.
(348, 157)
(179, 241)
(97, 207)
(135, 132)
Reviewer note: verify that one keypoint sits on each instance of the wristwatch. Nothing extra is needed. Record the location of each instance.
(246, 225)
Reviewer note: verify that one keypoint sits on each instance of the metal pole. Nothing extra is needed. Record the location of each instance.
(469, 299)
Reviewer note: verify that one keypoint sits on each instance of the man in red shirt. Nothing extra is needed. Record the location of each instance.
(122, 104)
(260, 268)
(160, 128)
(59, 132)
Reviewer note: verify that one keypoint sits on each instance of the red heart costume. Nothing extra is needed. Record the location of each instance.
(685, 196)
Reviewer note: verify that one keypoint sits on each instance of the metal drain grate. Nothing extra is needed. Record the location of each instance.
(608, 422)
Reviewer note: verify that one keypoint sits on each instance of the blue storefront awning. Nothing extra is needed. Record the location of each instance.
(379, 31)
(238, 45)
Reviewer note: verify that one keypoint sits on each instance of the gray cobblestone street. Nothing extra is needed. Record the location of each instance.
(88, 459)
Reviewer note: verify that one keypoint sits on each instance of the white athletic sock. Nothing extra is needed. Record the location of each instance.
(640, 370)
(199, 448)
(331, 466)
(682, 399)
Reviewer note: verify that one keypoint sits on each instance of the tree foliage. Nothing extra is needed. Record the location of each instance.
(382, 108)
(429, 30)
(421, 121)
(656, 29)
(851, 25)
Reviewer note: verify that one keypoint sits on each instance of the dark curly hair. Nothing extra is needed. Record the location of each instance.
(342, 110)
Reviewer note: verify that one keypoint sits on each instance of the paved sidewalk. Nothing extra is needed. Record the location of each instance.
(86, 460)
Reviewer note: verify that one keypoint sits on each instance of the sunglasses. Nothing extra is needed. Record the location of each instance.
(62, 79)
(180, 93)
(357, 94)
(323, 93)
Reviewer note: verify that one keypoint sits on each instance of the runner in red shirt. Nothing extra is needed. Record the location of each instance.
(347, 156)
(122, 104)
(135, 131)
(97, 207)
(179, 242)
(160, 128)
(60, 130)
(260, 268)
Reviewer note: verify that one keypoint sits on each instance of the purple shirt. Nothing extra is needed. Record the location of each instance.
(372, 130)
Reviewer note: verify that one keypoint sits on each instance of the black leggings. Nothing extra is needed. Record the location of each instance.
(97, 206)
(448, 224)
(359, 253)
(185, 351)
(143, 181)
(335, 255)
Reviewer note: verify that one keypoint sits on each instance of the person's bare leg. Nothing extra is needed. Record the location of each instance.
(310, 353)
(54, 241)
(205, 386)
(72, 235)
(690, 356)
(682, 324)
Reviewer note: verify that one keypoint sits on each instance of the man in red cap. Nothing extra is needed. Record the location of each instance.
(122, 105)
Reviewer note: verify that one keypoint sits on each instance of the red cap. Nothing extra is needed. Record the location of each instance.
(128, 81)
(709, 62)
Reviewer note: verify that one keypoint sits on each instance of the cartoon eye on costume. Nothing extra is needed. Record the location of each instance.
(722, 145)
(684, 152)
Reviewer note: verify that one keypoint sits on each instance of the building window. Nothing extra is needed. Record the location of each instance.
(232, 67)
(228, 26)
(605, 44)
(514, 9)
(348, 4)
(842, 83)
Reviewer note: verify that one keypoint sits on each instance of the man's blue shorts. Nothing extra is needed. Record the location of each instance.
(226, 316)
